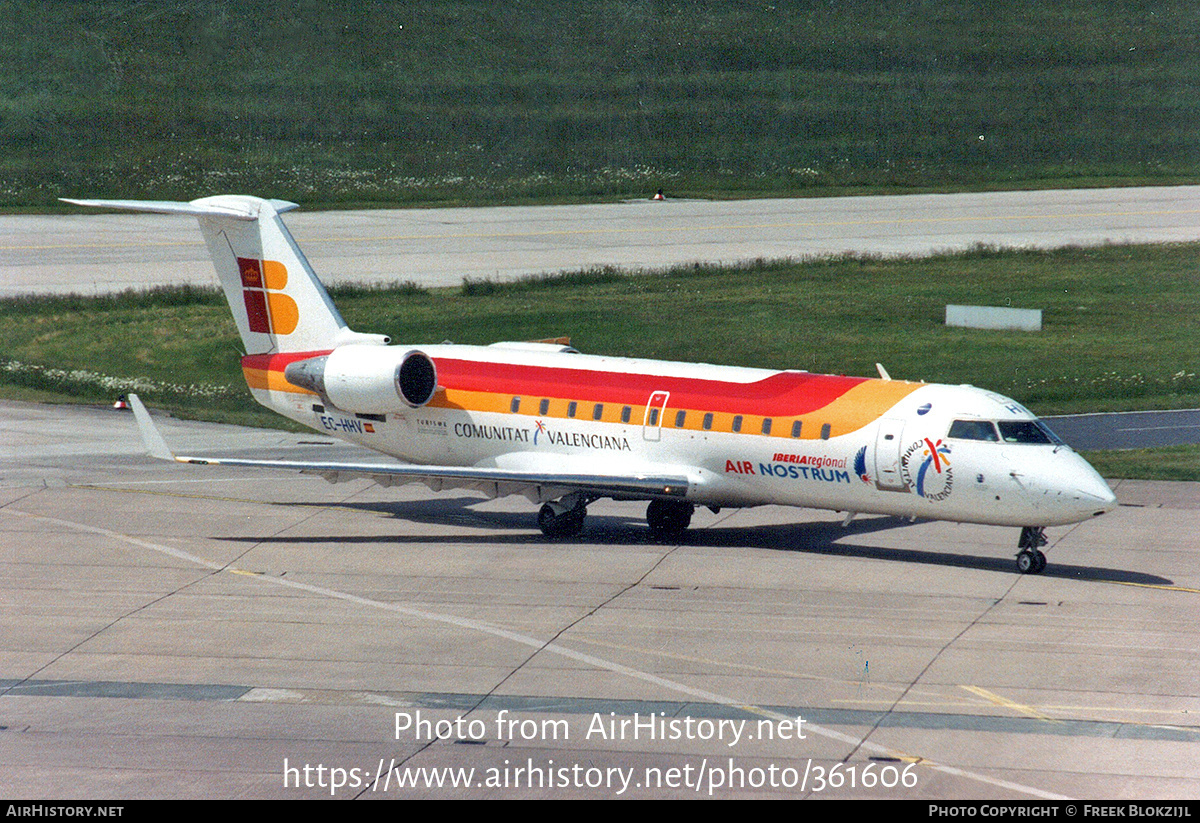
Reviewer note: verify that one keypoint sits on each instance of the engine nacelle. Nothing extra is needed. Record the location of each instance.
(368, 379)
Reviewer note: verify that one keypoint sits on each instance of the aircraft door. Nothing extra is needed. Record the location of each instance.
(656, 407)
(887, 456)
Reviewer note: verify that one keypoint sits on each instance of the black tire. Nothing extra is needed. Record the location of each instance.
(1027, 562)
(667, 518)
(567, 524)
(547, 520)
(573, 522)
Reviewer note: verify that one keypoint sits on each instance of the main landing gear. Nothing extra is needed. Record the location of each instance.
(563, 518)
(1029, 559)
(668, 518)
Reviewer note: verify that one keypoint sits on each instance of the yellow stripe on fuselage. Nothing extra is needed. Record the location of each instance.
(271, 381)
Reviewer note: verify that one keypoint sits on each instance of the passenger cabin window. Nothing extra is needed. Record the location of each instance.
(1024, 431)
(796, 429)
(653, 420)
(737, 422)
(572, 407)
(766, 426)
(516, 404)
(973, 430)
(544, 406)
(825, 431)
(680, 416)
(598, 411)
(626, 413)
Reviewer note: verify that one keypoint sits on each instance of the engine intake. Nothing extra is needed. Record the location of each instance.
(416, 379)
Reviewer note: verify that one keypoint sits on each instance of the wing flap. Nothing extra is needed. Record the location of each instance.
(548, 485)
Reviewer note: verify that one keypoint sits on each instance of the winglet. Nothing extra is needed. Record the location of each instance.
(155, 445)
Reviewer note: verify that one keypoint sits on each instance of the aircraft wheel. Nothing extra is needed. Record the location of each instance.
(561, 524)
(1031, 562)
(668, 517)
(574, 522)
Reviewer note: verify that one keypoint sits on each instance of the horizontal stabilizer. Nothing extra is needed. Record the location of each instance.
(238, 208)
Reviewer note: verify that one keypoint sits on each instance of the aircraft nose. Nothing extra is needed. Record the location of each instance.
(1072, 491)
(1098, 496)
(1093, 494)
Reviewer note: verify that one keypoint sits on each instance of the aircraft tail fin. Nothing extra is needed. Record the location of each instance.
(278, 303)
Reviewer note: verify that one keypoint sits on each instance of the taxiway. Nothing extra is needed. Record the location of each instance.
(92, 253)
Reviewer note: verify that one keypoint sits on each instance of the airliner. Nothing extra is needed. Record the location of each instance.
(566, 429)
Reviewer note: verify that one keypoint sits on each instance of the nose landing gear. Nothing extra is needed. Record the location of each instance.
(1029, 559)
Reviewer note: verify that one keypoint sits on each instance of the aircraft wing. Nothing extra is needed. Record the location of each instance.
(539, 486)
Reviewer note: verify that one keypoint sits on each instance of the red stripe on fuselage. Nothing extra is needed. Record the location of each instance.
(277, 362)
(780, 394)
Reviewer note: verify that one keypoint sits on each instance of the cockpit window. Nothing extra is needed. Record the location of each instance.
(974, 430)
(1054, 438)
(1026, 431)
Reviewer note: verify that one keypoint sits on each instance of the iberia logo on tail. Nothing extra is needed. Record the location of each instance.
(267, 309)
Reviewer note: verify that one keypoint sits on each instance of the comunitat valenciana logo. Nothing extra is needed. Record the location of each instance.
(267, 310)
(926, 469)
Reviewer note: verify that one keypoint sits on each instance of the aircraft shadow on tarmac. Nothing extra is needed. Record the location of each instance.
(821, 538)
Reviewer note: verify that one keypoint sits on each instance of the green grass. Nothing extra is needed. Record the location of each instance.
(459, 101)
(1170, 463)
(1120, 326)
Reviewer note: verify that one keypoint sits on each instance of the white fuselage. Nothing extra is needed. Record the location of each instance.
(877, 446)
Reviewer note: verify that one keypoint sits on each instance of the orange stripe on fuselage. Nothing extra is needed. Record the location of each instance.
(265, 371)
(845, 404)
